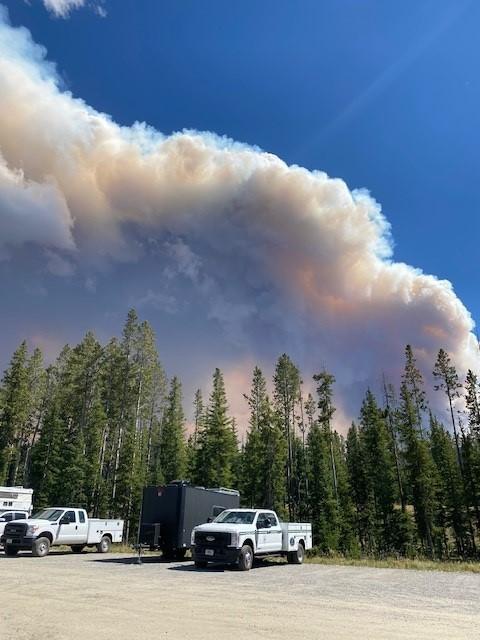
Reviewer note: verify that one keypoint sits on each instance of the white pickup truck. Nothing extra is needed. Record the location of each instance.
(60, 525)
(237, 536)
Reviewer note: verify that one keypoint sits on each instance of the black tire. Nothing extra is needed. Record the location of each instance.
(77, 548)
(104, 545)
(298, 556)
(180, 554)
(201, 564)
(245, 559)
(41, 547)
(168, 553)
(11, 551)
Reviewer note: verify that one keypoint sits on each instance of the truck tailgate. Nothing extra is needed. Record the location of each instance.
(97, 528)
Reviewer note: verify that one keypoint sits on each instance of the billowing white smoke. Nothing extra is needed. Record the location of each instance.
(311, 258)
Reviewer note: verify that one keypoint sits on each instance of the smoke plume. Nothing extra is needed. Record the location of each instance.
(278, 257)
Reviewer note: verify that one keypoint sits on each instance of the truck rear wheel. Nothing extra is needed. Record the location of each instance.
(245, 559)
(77, 548)
(297, 557)
(11, 551)
(104, 545)
(41, 547)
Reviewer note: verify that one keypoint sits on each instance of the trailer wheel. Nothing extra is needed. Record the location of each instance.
(297, 557)
(104, 545)
(77, 548)
(11, 551)
(245, 560)
(41, 547)
(200, 564)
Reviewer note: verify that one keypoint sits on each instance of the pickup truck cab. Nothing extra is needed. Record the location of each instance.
(237, 536)
(60, 525)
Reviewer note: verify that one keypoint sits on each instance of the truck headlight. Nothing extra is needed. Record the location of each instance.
(192, 539)
(31, 529)
(234, 539)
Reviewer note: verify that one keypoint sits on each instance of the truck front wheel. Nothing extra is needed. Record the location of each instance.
(245, 559)
(297, 557)
(41, 547)
(11, 551)
(104, 545)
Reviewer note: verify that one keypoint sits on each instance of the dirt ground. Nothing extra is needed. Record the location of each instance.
(106, 597)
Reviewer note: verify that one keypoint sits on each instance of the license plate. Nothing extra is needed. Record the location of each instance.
(9, 540)
(209, 552)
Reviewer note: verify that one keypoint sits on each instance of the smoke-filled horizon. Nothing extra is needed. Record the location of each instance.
(234, 256)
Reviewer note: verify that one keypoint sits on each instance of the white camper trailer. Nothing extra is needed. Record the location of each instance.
(16, 499)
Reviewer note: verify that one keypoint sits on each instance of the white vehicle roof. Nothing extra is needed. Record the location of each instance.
(252, 509)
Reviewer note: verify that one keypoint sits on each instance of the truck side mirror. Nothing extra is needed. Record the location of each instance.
(64, 520)
(209, 519)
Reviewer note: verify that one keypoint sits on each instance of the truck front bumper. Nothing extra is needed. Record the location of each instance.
(22, 543)
(221, 555)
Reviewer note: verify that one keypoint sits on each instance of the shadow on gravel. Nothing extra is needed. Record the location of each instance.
(144, 560)
(27, 554)
(220, 568)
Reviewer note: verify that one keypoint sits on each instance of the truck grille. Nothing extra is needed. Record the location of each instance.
(212, 540)
(15, 529)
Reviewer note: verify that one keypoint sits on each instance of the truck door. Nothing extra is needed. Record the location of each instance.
(67, 532)
(275, 537)
(81, 532)
(262, 533)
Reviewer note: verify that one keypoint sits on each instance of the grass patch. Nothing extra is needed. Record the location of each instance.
(397, 563)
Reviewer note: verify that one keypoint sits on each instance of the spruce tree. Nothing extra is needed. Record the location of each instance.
(217, 443)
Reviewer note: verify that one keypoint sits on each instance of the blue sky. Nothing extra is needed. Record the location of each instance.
(384, 95)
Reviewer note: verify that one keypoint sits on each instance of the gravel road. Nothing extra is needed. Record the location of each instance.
(73, 597)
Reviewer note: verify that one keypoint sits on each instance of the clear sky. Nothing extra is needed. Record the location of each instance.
(384, 95)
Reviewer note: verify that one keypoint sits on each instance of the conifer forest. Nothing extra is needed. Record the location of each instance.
(101, 422)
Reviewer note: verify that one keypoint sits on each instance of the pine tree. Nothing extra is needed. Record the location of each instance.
(444, 372)
(172, 443)
(364, 507)
(472, 402)
(323, 505)
(286, 396)
(15, 412)
(450, 511)
(48, 460)
(380, 472)
(252, 489)
(419, 470)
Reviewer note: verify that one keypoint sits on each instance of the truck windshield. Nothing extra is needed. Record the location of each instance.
(48, 514)
(236, 517)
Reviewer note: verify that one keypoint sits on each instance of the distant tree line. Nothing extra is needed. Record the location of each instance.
(103, 421)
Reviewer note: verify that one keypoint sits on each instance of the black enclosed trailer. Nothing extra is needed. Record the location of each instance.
(170, 512)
